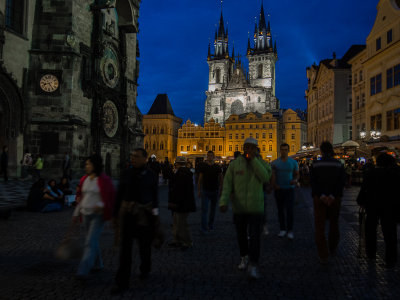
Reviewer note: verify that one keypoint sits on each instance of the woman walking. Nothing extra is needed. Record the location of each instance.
(95, 198)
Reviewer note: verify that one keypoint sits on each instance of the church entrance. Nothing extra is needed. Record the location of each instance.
(11, 120)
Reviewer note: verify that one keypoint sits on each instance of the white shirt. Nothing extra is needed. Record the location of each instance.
(91, 198)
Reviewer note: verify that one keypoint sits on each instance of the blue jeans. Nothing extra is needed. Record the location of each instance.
(91, 258)
(210, 197)
(285, 202)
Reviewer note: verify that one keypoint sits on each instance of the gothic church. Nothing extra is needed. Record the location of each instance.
(232, 89)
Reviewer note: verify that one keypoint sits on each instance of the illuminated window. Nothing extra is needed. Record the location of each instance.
(270, 135)
(270, 148)
(220, 148)
(194, 148)
(230, 147)
(187, 148)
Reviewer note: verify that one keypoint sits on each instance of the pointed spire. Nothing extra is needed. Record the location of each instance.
(209, 50)
(248, 45)
(233, 51)
(216, 34)
(262, 24)
(221, 29)
(269, 27)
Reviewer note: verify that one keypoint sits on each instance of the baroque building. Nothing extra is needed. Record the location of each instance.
(329, 99)
(233, 90)
(270, 130)
(70, 72)
(161, 126)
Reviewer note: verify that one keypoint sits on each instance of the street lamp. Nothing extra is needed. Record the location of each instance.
(363, 134)
(375, 134)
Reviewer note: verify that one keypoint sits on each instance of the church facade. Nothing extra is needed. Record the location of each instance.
(231, 89)
(71, 70)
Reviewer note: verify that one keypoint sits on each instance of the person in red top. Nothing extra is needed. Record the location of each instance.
(95, 198)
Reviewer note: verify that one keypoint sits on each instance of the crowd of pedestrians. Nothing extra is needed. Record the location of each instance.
(245, 185)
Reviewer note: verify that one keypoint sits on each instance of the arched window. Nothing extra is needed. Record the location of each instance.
(162, 130)
(154, 146)
(218, 76)
(260, 71)
(161, 146)
(154, 130)
(259, 99)
(216, 110)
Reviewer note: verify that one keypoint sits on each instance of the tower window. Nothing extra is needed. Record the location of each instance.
(216, 110)
(218, 76)
(15, 13)
(260, 71)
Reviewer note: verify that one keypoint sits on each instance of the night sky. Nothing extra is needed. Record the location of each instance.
(174, 38)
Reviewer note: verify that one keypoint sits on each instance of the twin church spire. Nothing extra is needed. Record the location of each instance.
(262, 40)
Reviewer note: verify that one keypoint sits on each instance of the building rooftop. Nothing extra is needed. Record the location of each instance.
(161, 106)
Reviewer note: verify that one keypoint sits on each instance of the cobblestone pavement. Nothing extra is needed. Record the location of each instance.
(290, 270)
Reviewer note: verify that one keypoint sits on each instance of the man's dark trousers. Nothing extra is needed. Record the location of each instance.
(130, 230)
(285, 203)
(248, 230)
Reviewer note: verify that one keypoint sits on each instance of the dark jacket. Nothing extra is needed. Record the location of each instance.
(4, 160)
(137, 185)
(380, 190)
(327, 177)
(181, 191)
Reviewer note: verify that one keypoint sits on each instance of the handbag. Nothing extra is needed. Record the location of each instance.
(72, 244)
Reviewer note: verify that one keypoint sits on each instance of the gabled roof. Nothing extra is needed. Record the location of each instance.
(161, 106)
(353, 51)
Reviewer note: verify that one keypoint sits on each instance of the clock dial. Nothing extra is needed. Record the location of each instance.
(49, 83)
(110, 119)
(109, 66)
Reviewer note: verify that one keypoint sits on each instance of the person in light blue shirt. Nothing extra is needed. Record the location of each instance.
(285, 174)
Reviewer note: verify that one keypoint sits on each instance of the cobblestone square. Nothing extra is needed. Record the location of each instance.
(290, 270)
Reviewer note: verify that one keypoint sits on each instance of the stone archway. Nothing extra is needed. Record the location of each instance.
(11, 121)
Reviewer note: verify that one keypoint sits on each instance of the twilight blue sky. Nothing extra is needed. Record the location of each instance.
(174, 38)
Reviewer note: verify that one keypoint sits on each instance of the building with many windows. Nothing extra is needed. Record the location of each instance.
(329, 99)
(161, 126)
(382, 72)
(270, 130)
(358, 93)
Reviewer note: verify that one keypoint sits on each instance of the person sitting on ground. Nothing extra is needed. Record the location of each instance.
(38, 197)
(64, 186)
(55, 192)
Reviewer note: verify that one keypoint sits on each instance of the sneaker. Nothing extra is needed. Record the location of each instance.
(253, 272)
(290, 235)
(243, 263)
(282, 233)
(265, 230)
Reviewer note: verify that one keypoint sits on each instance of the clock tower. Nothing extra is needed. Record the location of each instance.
(82, 82)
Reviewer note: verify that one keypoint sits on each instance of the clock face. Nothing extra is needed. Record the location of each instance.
(110, 119)
(109, 66)
(49, 83)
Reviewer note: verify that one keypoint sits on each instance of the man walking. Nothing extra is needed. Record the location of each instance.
(210, 180)
(136, 215)
(327, 183)
(285, 173)
(244, 180)
(4, 163)
(181, 202)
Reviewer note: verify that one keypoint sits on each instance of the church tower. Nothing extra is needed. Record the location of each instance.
(262, 58)
(220, 64)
